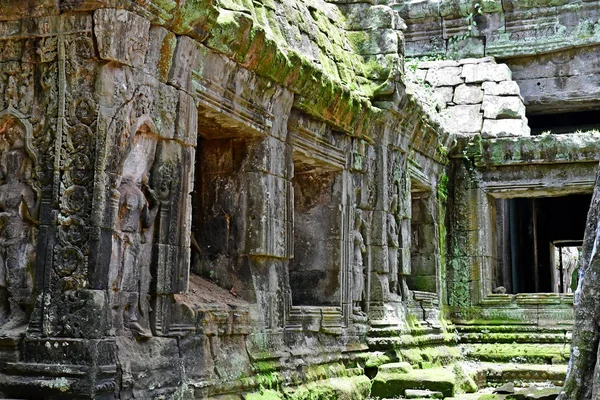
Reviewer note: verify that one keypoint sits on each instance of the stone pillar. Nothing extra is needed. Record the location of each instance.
(106, 145)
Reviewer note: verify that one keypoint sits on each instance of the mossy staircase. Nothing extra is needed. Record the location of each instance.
(479, 356)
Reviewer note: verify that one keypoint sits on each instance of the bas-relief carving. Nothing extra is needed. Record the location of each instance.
(19, 203)
(358, 265)
(393, 243)
(138, 204)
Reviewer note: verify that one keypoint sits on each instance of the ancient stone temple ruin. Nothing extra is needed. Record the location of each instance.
(285, 199)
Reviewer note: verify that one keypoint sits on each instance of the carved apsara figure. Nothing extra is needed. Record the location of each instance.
(358, 268)
(132, 247)
(17, 224)
(393, 244)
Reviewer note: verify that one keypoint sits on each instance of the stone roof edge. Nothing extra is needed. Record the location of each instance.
(249, 46)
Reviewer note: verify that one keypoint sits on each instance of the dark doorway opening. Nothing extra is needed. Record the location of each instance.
(564, 122)
(534, 234)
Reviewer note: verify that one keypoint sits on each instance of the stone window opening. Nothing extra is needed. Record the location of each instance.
(567, 122)
(534, 235)
(315, 269)
(218, 198)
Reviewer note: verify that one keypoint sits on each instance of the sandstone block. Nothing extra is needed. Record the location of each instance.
(465, 118)
(121, 36)
(186, 59)
(475, 60)
(438, 64)
(468, 94)
(443, 95)
(447, 76)
(501, 107)
(475, 73)
(378, 41)
(186, 126)
(504, 88)
(160, 53)
(505, 127)
(362, 16)
(420, 74)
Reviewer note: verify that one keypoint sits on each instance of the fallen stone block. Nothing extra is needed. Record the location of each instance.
(422, 394)
(386, 384)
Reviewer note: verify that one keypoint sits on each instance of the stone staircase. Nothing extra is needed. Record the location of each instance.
(483, 358)
(455, 381)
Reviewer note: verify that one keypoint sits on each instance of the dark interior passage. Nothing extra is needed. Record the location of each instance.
(532, 230)
(564, 122)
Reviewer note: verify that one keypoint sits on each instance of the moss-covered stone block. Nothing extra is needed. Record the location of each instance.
(347, 388)
(394, 368)
(264, 395)
(376, 359)
(389, 384)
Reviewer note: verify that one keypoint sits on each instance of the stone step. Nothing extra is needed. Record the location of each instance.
(529, 353)
(499, 373)
(529, 393)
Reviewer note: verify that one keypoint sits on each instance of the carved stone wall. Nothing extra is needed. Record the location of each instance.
(212, 199)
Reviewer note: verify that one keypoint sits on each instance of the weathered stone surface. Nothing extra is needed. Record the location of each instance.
(380, 41)
(122, 36)
(436, 379)
(537, 393)
(466, 118)
(446, 76)
(363, 16)
(507, 388)
(504, 88)
(159, 57)
(468, 94)
(475, 73)
(185, 60)
(438, 64)
(505, 127)
(503, 107)
(310, 231)
(422, 394)
(444, 95)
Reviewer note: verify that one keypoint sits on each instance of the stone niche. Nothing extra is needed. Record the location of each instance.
(319, 266)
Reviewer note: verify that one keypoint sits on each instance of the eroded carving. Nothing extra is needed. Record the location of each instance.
(393, 244)
(358, 267)
(18, 213)
(132, 244)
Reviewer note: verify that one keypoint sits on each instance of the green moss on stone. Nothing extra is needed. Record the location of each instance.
(264, 395)
(349, 388)
(388, 385)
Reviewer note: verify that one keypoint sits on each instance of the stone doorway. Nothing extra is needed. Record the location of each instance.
(534, 235)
